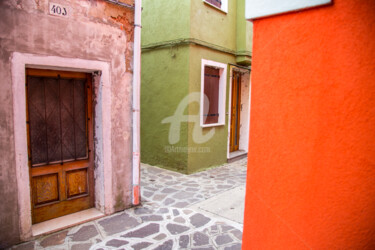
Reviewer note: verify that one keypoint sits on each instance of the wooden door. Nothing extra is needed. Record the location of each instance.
(235, 112)
(60, 142)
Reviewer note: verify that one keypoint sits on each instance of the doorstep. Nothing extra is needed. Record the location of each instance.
(70, 220)
(237, 155)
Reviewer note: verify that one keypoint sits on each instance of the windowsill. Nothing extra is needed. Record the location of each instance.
(66, 221)
(213, 6)
(212, 125)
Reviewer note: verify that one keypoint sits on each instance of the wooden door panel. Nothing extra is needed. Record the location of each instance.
(73, 122)
(235, 112)
(238, 114)
(60, 134)
(80, 121)
(58, 126)
(45, 189)
(48, 212)
(76, 183)
(36, 112)
(52, 120)
(54, 168)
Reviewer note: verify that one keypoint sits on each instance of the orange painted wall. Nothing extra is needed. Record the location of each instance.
(311, 168)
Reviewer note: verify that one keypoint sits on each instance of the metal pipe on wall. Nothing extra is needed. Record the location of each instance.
(136, 101)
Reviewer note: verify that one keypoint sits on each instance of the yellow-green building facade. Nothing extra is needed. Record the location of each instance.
(180, 39)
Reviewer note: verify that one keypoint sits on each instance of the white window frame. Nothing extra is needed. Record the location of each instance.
(224, 5)
(222, 92)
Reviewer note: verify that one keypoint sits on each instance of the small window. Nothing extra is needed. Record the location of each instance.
(213, 85)
(219, 4)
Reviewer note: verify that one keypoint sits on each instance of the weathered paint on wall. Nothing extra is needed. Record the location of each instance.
(94, 30)
(311, 173)
(9, 231)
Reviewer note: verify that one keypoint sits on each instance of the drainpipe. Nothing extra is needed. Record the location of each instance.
(136, 101)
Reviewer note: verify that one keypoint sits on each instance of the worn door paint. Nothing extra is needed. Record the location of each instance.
(235, 112)
(60, 133)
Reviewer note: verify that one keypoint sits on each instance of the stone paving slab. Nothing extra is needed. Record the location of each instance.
(228, 204)
(165, 220)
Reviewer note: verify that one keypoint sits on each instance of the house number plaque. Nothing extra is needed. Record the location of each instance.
(58, 10)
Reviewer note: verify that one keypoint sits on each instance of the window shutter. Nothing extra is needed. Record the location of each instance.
(217, 3)
(211, 90)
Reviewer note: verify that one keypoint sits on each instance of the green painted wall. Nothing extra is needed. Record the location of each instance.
(164, 20)
(165, 82)
(219, 29)
(170, 73)
(217, 145)
(244, 34)
(212, 25)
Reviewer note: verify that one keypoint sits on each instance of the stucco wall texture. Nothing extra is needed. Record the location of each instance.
(163, 70)
(94, 30)
(311, 168)
(171, 73)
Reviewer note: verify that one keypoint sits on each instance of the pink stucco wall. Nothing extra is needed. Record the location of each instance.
(94, 31)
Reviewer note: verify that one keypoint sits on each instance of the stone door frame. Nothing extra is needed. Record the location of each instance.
(102, 131)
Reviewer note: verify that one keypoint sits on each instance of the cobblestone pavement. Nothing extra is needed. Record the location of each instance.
(174, 189)
(164, 221)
